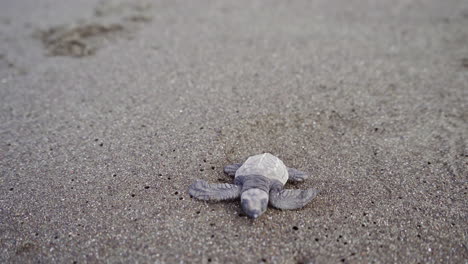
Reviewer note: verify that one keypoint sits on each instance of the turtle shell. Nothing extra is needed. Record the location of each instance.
(266, 165)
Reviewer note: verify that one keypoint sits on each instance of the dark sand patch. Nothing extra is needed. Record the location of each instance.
(109, 8)
(85, 39)
(78, 41)
(464, 63)
(139, 19)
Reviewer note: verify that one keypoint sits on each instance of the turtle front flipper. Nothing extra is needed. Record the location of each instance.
(231, 169)
(203, 190)
(297, 175)
(291, 199)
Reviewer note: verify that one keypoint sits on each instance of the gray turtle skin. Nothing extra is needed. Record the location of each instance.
(259, 181)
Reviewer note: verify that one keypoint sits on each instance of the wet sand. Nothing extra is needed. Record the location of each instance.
(109, 110)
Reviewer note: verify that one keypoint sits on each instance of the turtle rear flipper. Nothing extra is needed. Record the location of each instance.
(231, 169)
(297, 175)
(291, 199)
(203, 190)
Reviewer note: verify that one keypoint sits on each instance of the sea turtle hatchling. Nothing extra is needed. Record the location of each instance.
(259, 180)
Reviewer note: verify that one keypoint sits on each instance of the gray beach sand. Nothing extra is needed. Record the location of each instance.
(109, 110)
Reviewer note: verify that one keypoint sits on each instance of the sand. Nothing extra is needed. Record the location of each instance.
(109, 110)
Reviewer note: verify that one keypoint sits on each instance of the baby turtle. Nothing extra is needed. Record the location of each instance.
(258, 181)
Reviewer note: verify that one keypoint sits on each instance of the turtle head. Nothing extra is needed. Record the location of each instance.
(254, 202)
